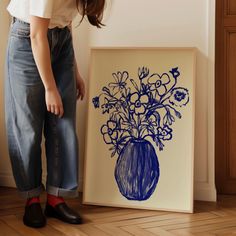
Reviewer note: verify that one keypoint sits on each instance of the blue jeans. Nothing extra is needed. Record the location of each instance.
(27, 117)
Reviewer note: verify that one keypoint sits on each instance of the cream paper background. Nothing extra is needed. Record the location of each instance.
(174, 191)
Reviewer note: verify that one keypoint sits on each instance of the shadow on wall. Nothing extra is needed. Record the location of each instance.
(201, 118)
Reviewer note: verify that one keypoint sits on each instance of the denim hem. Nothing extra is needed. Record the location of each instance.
(32, 192)
(60, 192)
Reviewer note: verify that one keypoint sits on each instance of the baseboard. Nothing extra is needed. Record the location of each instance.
(205, 192)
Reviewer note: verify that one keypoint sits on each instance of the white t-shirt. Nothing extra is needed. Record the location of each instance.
(60, 12)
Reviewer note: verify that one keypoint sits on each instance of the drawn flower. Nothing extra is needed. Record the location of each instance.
(168, 118)
(119, 104)
(120, 80)
(164, 133)
(106, 106)
(152, 121)
(96, 102)
(175, 72)
(143, 72)
(158, 83)
(109, 132)
(138, 103)
(179, 97)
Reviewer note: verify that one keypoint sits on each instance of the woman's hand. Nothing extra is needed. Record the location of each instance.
(54, 102)
(80, 86)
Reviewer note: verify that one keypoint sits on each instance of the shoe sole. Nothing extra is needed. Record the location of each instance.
(62, 219)
(39, 225)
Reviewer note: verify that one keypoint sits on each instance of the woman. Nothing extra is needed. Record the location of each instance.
(42, 85)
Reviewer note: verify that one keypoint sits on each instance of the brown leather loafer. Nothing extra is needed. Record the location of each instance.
(62, 212)
(34, 216)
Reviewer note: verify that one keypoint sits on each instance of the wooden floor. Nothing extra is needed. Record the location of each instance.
(208, 219)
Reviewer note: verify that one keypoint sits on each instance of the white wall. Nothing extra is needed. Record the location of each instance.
(155, 23)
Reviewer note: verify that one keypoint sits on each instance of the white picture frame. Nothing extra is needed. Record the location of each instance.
(141, 106)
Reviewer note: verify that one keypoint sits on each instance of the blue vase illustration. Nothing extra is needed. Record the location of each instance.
(137, 170)
(137, 111)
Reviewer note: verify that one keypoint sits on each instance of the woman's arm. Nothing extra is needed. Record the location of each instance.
(41, 52)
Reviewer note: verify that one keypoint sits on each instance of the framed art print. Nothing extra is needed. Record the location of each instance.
(140, 128)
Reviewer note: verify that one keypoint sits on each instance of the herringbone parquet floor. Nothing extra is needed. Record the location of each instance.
(209, 219)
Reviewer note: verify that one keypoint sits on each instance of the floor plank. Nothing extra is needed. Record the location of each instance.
(7, 230)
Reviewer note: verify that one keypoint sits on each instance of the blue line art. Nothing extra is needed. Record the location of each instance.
(140, 114)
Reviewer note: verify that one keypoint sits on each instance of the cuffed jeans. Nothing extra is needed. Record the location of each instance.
(27, 117)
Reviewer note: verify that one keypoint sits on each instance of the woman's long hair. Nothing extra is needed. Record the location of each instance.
(93, 9)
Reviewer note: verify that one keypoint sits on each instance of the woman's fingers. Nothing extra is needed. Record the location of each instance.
(49, 108)
(56, 109)
(61, 111)
(80, 91)
(53, 108)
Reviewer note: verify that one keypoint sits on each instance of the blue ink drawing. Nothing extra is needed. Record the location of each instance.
(140, 115)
